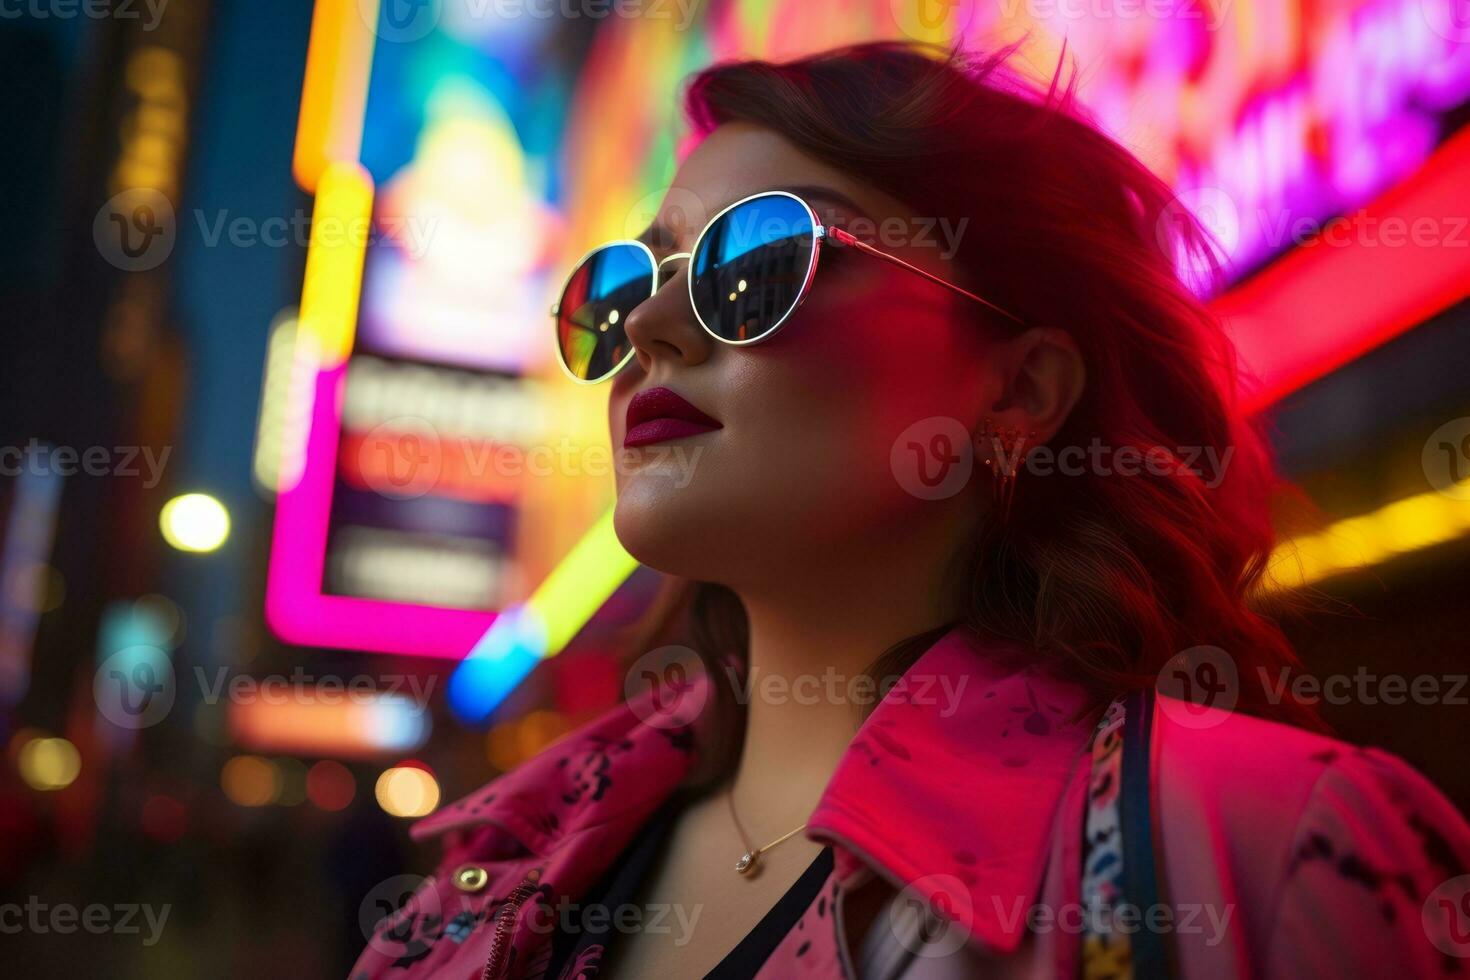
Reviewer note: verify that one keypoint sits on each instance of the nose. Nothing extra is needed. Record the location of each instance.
(663, 327)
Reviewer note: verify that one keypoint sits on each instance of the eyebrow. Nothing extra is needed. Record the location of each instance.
(812, 193)
(661, 236)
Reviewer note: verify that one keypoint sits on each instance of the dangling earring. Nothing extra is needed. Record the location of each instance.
(1002, 449)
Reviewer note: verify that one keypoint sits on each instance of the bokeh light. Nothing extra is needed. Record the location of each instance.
(407, 791)
(249, 780)
(49, 763)
(194, 522)
(330, 785)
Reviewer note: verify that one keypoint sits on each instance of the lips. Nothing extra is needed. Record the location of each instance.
(659, 414)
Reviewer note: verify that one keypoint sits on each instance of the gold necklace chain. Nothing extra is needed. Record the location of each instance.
(749, 861)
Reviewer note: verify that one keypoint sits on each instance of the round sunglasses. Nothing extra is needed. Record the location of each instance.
(749, 270)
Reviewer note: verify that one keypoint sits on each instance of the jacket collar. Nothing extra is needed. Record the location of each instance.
(950, 789)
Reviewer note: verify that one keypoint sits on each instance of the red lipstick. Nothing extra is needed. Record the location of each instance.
(659, 414)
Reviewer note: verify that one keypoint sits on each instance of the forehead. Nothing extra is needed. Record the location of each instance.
(740, 159)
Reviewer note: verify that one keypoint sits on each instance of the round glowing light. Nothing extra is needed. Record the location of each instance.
(330, 785)
(407, 791)
(741, 286)
(613, 316)
(194, 522)
(732, 297)
(249, 780)
(539, 729)
(503, 746)
(510, 743)
(49, 763)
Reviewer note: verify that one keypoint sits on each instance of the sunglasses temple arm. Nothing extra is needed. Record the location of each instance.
(839, 237)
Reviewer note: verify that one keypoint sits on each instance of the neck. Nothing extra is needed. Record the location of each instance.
(809, 653)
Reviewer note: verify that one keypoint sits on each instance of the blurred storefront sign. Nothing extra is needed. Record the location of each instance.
(398, 437)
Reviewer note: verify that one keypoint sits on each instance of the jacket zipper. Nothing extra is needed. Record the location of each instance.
(505, 920)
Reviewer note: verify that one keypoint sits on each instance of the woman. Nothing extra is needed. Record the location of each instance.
(904, 367)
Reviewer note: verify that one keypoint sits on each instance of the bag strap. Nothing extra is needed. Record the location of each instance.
(1140, 870)
(1119, 864)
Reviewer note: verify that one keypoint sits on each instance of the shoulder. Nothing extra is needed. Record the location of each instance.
(1332, 855)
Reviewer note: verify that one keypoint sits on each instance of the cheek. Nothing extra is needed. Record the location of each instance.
(873, 367)
(820, 408)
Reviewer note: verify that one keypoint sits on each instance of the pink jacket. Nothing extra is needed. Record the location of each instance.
(1283, 853)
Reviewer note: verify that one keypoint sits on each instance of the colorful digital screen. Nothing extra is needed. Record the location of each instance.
(397, 520)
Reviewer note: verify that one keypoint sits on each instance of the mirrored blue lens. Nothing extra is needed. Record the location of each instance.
(598, 297)
(749, 267)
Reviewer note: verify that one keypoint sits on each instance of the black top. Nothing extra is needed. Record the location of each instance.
(593, 920)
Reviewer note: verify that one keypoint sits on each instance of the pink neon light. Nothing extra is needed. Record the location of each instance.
(295, 607)
(1325, 304)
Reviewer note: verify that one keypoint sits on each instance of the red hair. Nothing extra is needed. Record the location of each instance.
(1104, 577)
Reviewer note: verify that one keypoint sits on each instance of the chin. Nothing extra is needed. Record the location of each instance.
(662, 528)
(695, 532)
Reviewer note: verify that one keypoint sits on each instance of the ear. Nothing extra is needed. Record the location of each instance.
(1044, 377)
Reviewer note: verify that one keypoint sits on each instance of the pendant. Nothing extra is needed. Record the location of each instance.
(747, 863)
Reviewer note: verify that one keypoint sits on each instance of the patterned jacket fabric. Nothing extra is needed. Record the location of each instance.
(966, 792)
